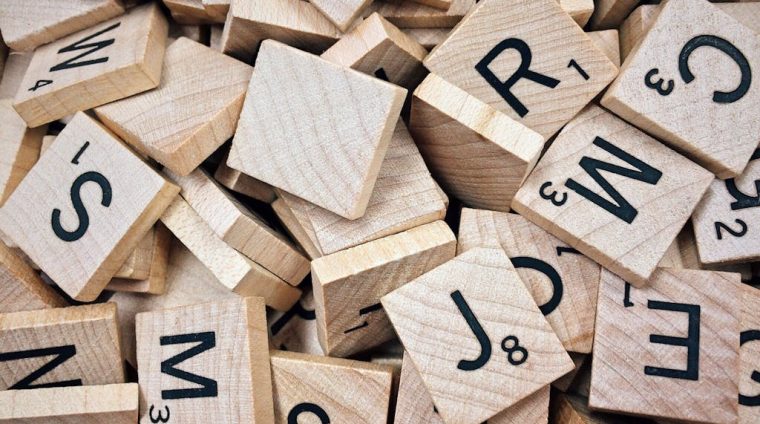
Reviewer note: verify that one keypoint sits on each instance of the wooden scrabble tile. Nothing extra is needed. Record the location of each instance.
(170, 124)
(562, 281)
(331, 389)
(215, 37)
(47, 140)
(25, 27)
(342, 13)
(428, 37)
(724, 219)
(13, 73)
(404, 196)
(77, 214)
(296, 224)
(408, 14)
(355, 279)
(111, 403)
(687, 256)
(573, 409)
(579, 360)
(191, 10)
(159, 239)
(217, 9)
(460, 303)
(296, 329)
(608, 42)
(243, 184)
(338, 154)
(376, 47)
(241, 229)
(478, 154)
(670, 349)
(230, 267)
(21, 288)
(137, 265)
(294, 22)
(749, 356)
(611, 13)
(60, 347)
(579, 10)
(636, 26)
(623, 228)
(658, 80)
(19, 148)
(199, 33)
(541, 86)
(440, 4)
(414, 405)
(205, 362)
(188, 282)
(107, 62)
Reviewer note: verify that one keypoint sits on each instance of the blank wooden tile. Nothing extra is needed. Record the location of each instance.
(670, 349)
(121, 57)
(137, 265)
(573, 409)
(562, 281)
(428, 37)
(342, 13)
(667, 71)
(749, 356)
(192, 112)
(294, 22)
(408, 14)
(478, 154)
(414, 405)
(296, 329)
(60, 347)
(205, 362)
(241, 229)
(19, 148)
(84, 207)
(608, 42)
(624, 228)
(404, 196)
(330, 159)
(243, 184)
(518, 68)
(25, 28)
(230, 267)
(295, 223)
(579, 10)
(611, 13)
(348, 284)
(217, 9)
(188, 282)
(485, 344)
(159, 239)
(13, 73)
(376, 47)
(725, 220)
(21, 288)
(111, 403)
(190, 10)
(334, 390)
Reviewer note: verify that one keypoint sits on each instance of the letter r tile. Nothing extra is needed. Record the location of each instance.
(602, 188)
(500, 54)
(476, 336)
(671, 349)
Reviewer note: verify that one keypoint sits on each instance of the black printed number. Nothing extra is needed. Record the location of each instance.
(159, 417)
(720, 226)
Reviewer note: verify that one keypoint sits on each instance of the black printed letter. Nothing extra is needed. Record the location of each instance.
(206, 341)
(691, 342)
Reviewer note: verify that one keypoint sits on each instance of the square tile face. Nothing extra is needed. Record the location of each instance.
(296, 329)
(541, 78)
(205, 362)
(562, 281)
(60, 347)
(670, 349)
(335, 390)
(110, 61)
(690, 83)
(476, 336)
(190, 114)
(84, 207)
(725, 222)
(315, 129)
(602, 188)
